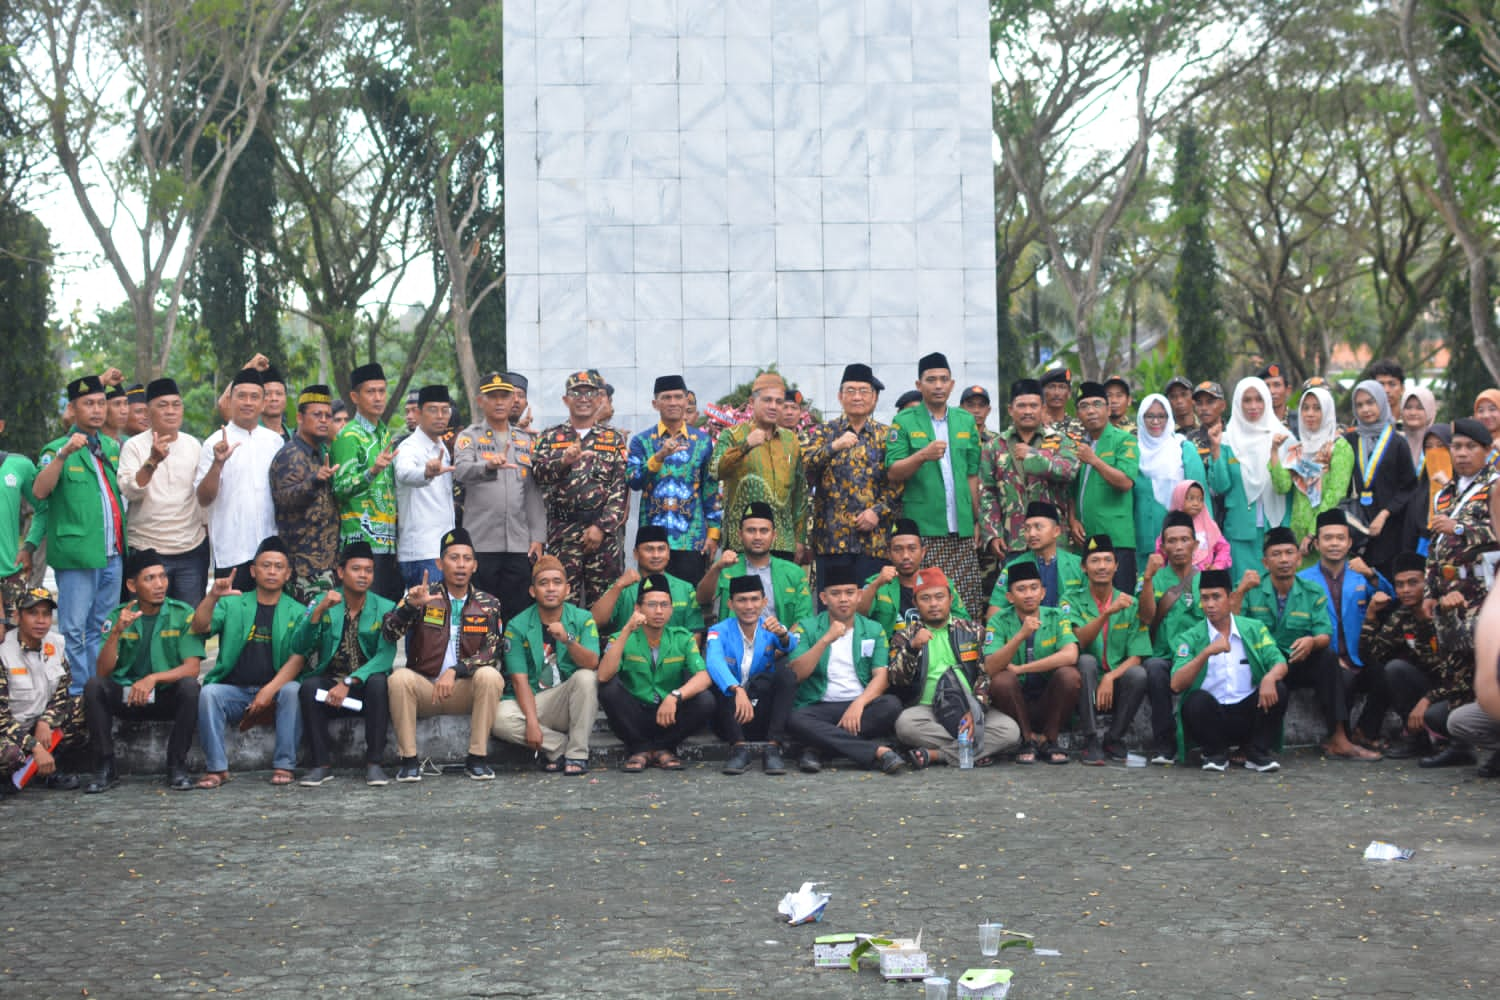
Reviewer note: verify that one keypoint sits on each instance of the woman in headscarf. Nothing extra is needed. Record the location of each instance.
(1258, 483)
(1418, 419)
(1166, 460)
(1385, 478)
(1487, 412)
(1321, 464)
(1418, 412)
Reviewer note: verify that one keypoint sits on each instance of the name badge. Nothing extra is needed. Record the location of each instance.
(867, 647)
(433, 616)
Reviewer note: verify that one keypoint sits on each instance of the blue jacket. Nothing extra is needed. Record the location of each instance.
(1346, 621)
(726, 647)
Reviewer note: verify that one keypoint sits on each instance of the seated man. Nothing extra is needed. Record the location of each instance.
(37, 715)
(1116, 665)
(842, 707)
(354, 660)
(452, 667)
(936, 671)
(887, 596)
(551, 658)
(148, 669)
(653, 552)
(653, 683)
(1060, 570)
(1399, 646)
(782, 581)
(1231, 673)
(1031, 656)
(257, 668)
(754, 687)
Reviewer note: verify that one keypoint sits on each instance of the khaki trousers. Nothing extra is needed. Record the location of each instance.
(477, 696)
(566, 714)
(918, 727)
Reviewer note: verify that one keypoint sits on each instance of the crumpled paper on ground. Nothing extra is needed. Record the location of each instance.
(1379, 850)
(805, 905)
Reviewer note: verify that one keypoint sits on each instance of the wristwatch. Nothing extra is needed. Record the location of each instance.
(676, 693)
(1458, 529)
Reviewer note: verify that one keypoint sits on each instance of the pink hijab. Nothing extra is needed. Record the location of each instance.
(1213, 548)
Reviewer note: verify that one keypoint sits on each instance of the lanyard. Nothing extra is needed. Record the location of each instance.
(1369, 463)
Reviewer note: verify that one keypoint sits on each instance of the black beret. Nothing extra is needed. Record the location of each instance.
(910, 397)
(1052, 375)
(747, 584)
(161, 387)
(651, 533)
(668, 383)
(1473, 430)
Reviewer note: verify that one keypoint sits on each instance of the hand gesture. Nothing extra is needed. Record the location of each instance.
(326, 471)
(836, 631)
(260, 363)
(627, 578)
(572, 454)
(222, 448)
(558, 632)
(845, 441)
(886, 575)
(1154, 564)
(436, 467)
(160, 445)
(1085, 453)
(593, 537)
(755, 438)
(669, 447)
(728, 558)
(1029, 626)
(1216, 436)
(1276, 442)
(497, 459)
(330, 599)
(1219, 646)
(525, 420)
(774, 627)
(1378, 602)
(384, 460)
(1452, 601)
(1020, 451)
(223, 587)
(1359, 566)
(417, 596)
(1249, 581)
(75, 442)
(442, 688)
(637, 620)
(112, 376)
(128, 614)
(1122, 602)
(934, 452)
(921, 637)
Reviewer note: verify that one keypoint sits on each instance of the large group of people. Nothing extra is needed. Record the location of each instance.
(932, 591)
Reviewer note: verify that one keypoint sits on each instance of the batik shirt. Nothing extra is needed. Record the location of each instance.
(847, 482)
(772, 473)
(677, 492)
(307, 518)
(366, 498)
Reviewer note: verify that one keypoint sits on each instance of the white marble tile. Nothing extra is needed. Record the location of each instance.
(606, 156)
(611, 249)
(799, 294)
(561, 297)
(559, 60)
(702, 107)
(846, 245)
(979, 245)
(888, 18)
(798, 199)
(522, 252)
(560, 202)
(705, 342)
(841, 59)
(980, 293)
(846, 293)
(560, 108)
(748, 60)
(752, 342)
(752, 294)
(937, 151)
(610, 202)
(705, 200)
(653, 17)
(658, 349)
(611, 296)
(519, 55)
(658, 296)
(653, 107)
(891, 152)
(799, 152)
(977, 152)
(523, 339)
(560, 19)
(795, 57)
(701, 18)
(888, 60)
(557, 340)
(846, 339)
(890, 106)
(701, 60)
(520, 108)
(891, 338)
(658, 248)
(606, 60)
(606, 107)
(893, 293)
(654, 154)
(977, 195)
(841, 107)
(975, 100)
(610, 346)
(519, 19)
(705, 296)
(893, 246)
(892, 199)
(605, 19)
(799, 341)
(710, 382)
(799, 247)
(940, 245)
(844, 153)
(751, 201)
(940, 293)
(935, 18)
(841, 19)
(522, 304)
(748, 107)
(704, 155)
(653, 61)
(846, 199)
(562, 250)
(752, 248)
(797, 105)
(979, 351)
(795, 18)
(935, 105)
(560, 154)
(946, 334)
(938, 199)
(705, 248)
(751, 153)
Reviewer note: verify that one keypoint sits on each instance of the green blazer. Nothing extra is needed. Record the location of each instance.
(1260, 649)
(923, 499)
(1103, 509)
(324, 637)
(868, 636)
(678, 659)
(685, 611)
(525, 651)
(1070, 576)
(233, 619)
(171, 644)
(72, 516)
(1306, 611)
(790, 603)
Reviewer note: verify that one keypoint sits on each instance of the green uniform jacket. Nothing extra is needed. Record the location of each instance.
(923, 499)
(171, 644)
(1260, 649)
(233, 619)
(1056, 633)
(1070, 576)
(1306, 611)
(678, 660)
(17, 473)
(1127, 635)
(72, 516)
(366, 499)
(886, 609)
(1186, 612)
(871, 653)
(1239, 514)
(685, 611)
(1149, 514)
(525, 651)
(1103, 509)
(324, 636)
(790, 603)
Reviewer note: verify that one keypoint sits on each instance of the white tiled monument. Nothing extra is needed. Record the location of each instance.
(711, 186)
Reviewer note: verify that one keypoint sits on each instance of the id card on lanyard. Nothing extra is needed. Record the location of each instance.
(1369, 463)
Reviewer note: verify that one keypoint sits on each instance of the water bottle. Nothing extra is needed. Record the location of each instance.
(965, 746)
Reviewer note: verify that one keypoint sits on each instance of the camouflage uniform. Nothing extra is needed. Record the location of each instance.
(62, 712)
(307, 518)
(1006, 490)
(1069, 427)
(1458, 563)
(592, 492)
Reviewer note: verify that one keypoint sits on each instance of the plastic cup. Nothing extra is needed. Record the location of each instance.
(989, 939)
(936, 987)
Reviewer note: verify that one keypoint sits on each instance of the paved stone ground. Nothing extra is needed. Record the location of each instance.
(1167, 883)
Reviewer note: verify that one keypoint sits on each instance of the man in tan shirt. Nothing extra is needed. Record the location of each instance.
(156, 474)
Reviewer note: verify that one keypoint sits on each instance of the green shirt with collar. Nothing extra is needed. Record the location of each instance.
(72, 516)
(791, 602)
(525, 647)
(651, 680)
(1127, 635)
(324, 637)
(1186, 611)
(1055, 634)
(871, 652)
(1070, 576)
(1103, 509)
(233, 620)
(170, 644)
(923, 498)
(885, 611)
(685, 610)
(1306, 612)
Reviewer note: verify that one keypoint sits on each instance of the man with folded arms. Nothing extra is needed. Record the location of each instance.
(842, 708)
(452, 666)
(551, 658)
(255, 675)
(156, 473)
(782, 581)
(887, 598)
(307, 516)
(755, 689)
(34, 702)
(1231, 676)
(354, 659)
(1031, 656)
(148, 669)
(653, 683)
(653, 554)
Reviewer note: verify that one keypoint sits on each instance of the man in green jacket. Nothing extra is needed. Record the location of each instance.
(17, 473)
(354, 660)
(1032, 659)
(888, 598)
(79, 510)
(148, 669)
(1061, 571)
(256, 670)
(365, 485)
(1104, 492)
(653, 552)
(1230, 673)
(784, 582)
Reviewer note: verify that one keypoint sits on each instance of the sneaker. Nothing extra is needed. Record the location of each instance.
(1163, 755)
(1093, 754)
(317, 776)
(738, 761)
(375, 776)
(180, 780)
(60, 782)
(1115, 750)
(477, 769)
(809, 762)
(103, 780)
(1220, 764)
(410, 770)
(772, 760)
(1255, 760)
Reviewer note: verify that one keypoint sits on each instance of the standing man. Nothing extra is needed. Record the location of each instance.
(520, 407)
(424, 486)
(307, 518)
(1179, 393)
(761, 461)
(1027, 464)
(503, 510)
(1057, 392)
(1104, 497)
(364, 485)
(580, 467)
(1392, 378)
(669, 466)
(17, 473)
(273, 402)
(80, 510)
(976, 399)
(1274, 376)
(157, 470)
(116, 413)
(934, 451)
(138, 422)
(853, 498)
(234, 483)
(1117, 395)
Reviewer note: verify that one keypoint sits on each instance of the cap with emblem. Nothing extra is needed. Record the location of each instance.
(974, 392)
(35, 596)
(136, 393)
(1118, 380)
(584, 380)
(1098, 543)
(758, 509)
(519, 381)
(905, 526)
(457, 536)
(930, 578)
(115, 392)
(87, 385)
(1177, 382)
(1213, 389)
(1056, 375)
(495, 382)
(414, 398)
(1271, 371)
(653, 582)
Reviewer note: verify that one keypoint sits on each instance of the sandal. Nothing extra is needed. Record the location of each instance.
(667, 760)
(635, 763)
(1027, 752)
(575, 765)
(920, 759)
(1053, 754)
(985, 761)
(213, 779)
(281, 776)
(552, 766)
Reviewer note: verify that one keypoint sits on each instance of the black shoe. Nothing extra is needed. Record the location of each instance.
(103, 780)
(891, 762)
(375, 776)
(59, 782)
(1094, 754)
(476, 768)
(179, 780)
(410, 770)
(1115, 750)
(738, 761)
(1451, 755)
(808, 762)
(1164, 755)
(1220, 764)
(1256, 760)
(1407, 746)
(319, 775)
(772, 760)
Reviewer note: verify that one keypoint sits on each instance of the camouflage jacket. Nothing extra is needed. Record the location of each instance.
(1007, 487)
(593, 491)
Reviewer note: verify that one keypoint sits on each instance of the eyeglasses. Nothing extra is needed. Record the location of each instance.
(1156, 418)
(858, 390)
(583, 392)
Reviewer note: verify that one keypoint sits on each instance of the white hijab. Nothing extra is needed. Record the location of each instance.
(1161, 457)
(1328, 430)
(1252, 446)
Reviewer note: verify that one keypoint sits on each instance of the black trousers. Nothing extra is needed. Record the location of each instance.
(634, 721)
(818, 727)
(315, 716)
(773, 692)
(1159, 697)
(1398, 684)
(689, 565)
(1216, 727)
(1125, 570)
(104, 701)
(1436, 717)
(506, 576)
(388, 582)
(1322, 672)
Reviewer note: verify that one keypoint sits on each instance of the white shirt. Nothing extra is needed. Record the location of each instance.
(843, 682)
(424, 507)
(164, 514)
(455, 617)
(1228, 678)
(940, 431)
(242, 514)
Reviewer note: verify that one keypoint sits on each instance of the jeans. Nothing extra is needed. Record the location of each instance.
(85, 597)
(224, 704)
(187, 574)
(411, 572)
